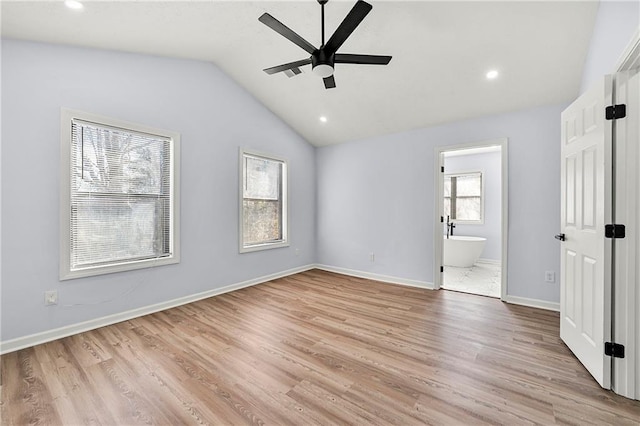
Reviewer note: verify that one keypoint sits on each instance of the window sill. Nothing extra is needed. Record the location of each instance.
(264, 246)
(66, 274)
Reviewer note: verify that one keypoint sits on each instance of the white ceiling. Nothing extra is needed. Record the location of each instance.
(441, 52)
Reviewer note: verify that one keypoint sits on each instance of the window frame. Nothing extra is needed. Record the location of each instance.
(284, 193)
(65, 270)
(482, 195)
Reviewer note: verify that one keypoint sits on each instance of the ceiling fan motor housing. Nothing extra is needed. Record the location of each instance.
(322, 64)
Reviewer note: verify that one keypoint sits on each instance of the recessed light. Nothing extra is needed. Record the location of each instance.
(323, 119)
(492, 74)
(73, 4)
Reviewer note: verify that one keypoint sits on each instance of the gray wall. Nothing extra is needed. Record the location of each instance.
(214, 116)
(616, 23)
(377, 195)
(368, 196)
(490, 165)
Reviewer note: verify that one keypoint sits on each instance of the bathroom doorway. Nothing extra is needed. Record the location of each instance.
(471, 223)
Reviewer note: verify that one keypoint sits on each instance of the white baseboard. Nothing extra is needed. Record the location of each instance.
(59, 333)
(534, 303)
(376, 277)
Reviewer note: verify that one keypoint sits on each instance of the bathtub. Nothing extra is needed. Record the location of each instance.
(462, 251)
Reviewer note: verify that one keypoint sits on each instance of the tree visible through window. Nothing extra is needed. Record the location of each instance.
(263, 202)
(121, 198)
(463, 197)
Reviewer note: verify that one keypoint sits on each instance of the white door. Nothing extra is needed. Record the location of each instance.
(585, 298)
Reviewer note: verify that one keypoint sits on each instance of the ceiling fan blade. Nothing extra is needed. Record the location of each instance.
(292, 72)
(350, 22)
(290, 65)
(347, 58)
(329, 82)
(286, 32)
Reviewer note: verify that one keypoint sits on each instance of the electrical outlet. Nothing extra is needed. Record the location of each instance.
(297, 252)
(549, 277)
(372, 257)
(51, 297)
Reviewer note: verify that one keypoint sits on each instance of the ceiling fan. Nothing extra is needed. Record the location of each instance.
(323, 60)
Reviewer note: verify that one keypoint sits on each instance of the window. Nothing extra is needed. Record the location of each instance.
(463, 197)
(119, 196)
(263, 204)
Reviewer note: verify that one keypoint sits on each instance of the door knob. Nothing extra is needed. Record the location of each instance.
(560, 237)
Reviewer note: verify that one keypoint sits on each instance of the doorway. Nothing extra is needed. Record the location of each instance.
(470, 231)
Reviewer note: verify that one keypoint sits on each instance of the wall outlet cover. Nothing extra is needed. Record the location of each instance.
(51, 297)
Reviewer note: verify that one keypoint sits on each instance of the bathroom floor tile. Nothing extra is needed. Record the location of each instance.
(482, 278)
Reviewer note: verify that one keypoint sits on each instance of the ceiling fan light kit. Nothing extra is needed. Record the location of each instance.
(323, 60)
(321, 65)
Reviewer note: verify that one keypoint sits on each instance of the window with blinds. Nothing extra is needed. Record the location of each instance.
(463, 197)
(263, 209)
(121, 196)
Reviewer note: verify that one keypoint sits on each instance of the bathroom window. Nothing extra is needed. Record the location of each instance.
(263, 202)
(463, 197)
(119, 199)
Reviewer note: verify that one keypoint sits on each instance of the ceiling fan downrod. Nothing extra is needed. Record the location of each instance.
(322, 64)
(322, 3)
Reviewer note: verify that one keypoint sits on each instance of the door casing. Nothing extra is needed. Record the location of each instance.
(626, 288)
(626, 292)
(439, 203)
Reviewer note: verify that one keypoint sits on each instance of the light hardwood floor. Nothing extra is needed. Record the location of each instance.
(314, 348)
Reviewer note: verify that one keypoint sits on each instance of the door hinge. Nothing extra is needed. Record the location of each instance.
(442, 269)
(442, 169)
(613, 112)
(614, 231)
(441, 219)
(615, 350)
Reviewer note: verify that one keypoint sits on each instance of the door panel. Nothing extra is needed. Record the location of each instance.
(589, 187)
(569, 313)
(570, 176)
(585, 298)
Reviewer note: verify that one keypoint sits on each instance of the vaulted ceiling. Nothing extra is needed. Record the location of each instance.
(441, 52)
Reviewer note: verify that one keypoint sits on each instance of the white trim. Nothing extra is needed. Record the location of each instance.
(65, 272)
(438, 233)
(630, 57)
(439, 203)
(58, 333)
(514, 300)
(533, 303)
(625, 379)
(284, 190)
(376, 277)
(69, 330)
(626, 311)
(505, 219)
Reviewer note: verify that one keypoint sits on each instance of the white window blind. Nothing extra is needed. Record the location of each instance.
(121, 198)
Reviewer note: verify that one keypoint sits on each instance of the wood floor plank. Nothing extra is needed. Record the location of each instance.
(314, 348)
